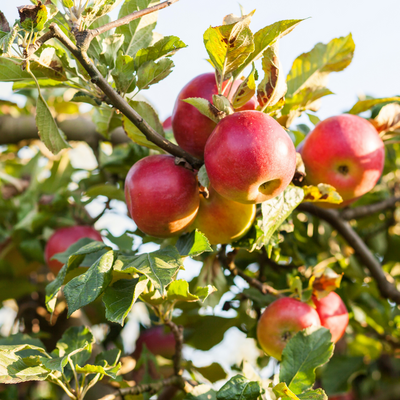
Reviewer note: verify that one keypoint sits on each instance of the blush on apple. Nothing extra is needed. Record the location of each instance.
(249, 157)
(157, 340)
(280, 321)
(346, 152)
(223, 220)
(64, 238)
(333, 314)
(162, 197)
(191, 128)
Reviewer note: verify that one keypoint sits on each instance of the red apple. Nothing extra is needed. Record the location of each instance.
(162, 198)
(344, 396)
(281, 320)
(64, 238)
(157, 340)
(167, 124)
(222, 220)
(191, 128)
(345, 152)
(333, 314)
(249, 157)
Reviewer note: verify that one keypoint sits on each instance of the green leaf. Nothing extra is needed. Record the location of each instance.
(76, 342)
(106, 120)
(82, 97)
(229, 45)
(110, 356)
(124, 73)
(137, 33)
(304, 352)
(85, 288)
(246, 89)
(55, 364)
(111, 45)
(365, 105)
(240, 388)
(107, 190)
(152, 72)
(95, 47)
(159, 266)
(317, 394)
(213, 372)
(312, 69)
(43, 83)
(166, 46)
(193, 244)
(276, 210)
(266, 37)
(205, 107)
(149, 115)
(201, 392)
(120, 297)
(110, 371)
(179, 291)
(281, 391)
(321, 193)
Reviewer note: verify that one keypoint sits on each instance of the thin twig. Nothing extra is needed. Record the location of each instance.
(177, 330)
(364, 211)
(333, 217)
(228, 261)
(84, 38)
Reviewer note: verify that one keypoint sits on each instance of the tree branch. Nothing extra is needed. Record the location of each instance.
(363, 211)
(84, 38)
(14, 130)
(177, 330)
(333, 217)
(228, 261)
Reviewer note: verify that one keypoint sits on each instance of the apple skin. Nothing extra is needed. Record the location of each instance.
(280, 321)
(167, 124)
(223, 220)
(346, 152)
(333, 314)
(249, 157)
(157, 341)
(191, 128)
(64, 238)
(344, 396)
(162, 198)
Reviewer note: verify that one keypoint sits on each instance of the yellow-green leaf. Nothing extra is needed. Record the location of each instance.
(322, 193)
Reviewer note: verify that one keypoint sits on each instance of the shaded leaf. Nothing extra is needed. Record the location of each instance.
(110, 47)
(201, 392)
(205, 108)
(213, 372)
(152, 72)
(240, 388)
(193, 244)
(124, 73)
(106, 120)
(82, 97)
(107, 190)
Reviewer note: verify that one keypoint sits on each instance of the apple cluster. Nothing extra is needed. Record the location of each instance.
(248, 156)
(286, 316)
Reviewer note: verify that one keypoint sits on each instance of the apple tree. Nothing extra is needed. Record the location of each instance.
(298, 249)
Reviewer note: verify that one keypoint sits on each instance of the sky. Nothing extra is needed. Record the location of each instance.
(375, 69)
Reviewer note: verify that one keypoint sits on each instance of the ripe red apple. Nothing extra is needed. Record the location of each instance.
(345, 152)
(223, 220)
(333, 314)
(162, 198)
(157, 340)
(167, 124)
(281, 320)
(191, 128)
(249, 157)
(64, 238)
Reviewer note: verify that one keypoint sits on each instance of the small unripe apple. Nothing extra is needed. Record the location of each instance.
(333, 314)
(223, 220)
(162, 198)
(191, 128)
(280, 321)
(64, 238)
(249, 157)
(157, 340)
(346, 152)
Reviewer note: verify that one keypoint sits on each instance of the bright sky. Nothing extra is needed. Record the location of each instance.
(375, 68)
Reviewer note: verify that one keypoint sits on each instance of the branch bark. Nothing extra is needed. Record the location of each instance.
(333, 217)
(14, 130)
(84, 38)
(363, 211)
(177, 330)
(228, 261)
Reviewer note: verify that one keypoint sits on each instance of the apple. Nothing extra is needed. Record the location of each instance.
(191, 128)
(344, 396)
(157, 340)
(281, 320)
(162, 198)
(223, 220)
(249, 157)
(64, 238)
(346, 152)
(167, 124)
(333, 314)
